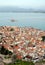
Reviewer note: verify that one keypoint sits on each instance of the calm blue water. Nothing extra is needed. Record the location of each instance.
(36, 20)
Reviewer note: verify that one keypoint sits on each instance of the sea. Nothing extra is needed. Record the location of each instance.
(35, 20)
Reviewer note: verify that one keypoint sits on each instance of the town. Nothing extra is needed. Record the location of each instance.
(26, 43)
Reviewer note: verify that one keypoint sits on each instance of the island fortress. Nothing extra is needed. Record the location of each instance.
(25, 42)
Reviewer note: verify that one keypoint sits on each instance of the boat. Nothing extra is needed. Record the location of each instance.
(13, 20)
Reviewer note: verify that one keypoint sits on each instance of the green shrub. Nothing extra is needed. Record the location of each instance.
(22, 63)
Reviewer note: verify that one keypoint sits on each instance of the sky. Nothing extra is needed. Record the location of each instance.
(23, 3)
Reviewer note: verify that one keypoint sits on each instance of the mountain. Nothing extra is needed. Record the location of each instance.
(18, 9)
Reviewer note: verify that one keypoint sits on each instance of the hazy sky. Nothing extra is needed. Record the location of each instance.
(23, 3)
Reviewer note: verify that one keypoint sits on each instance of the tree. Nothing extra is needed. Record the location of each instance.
(43, 38)
(5, 51)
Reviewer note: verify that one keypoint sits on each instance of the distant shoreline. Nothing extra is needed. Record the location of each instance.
(20, 12)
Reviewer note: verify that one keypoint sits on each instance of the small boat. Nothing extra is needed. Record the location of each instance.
(13, 20)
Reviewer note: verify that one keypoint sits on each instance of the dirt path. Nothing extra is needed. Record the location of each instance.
(7, 61)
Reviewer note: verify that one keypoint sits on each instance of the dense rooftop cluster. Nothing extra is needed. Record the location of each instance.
(25, 42)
